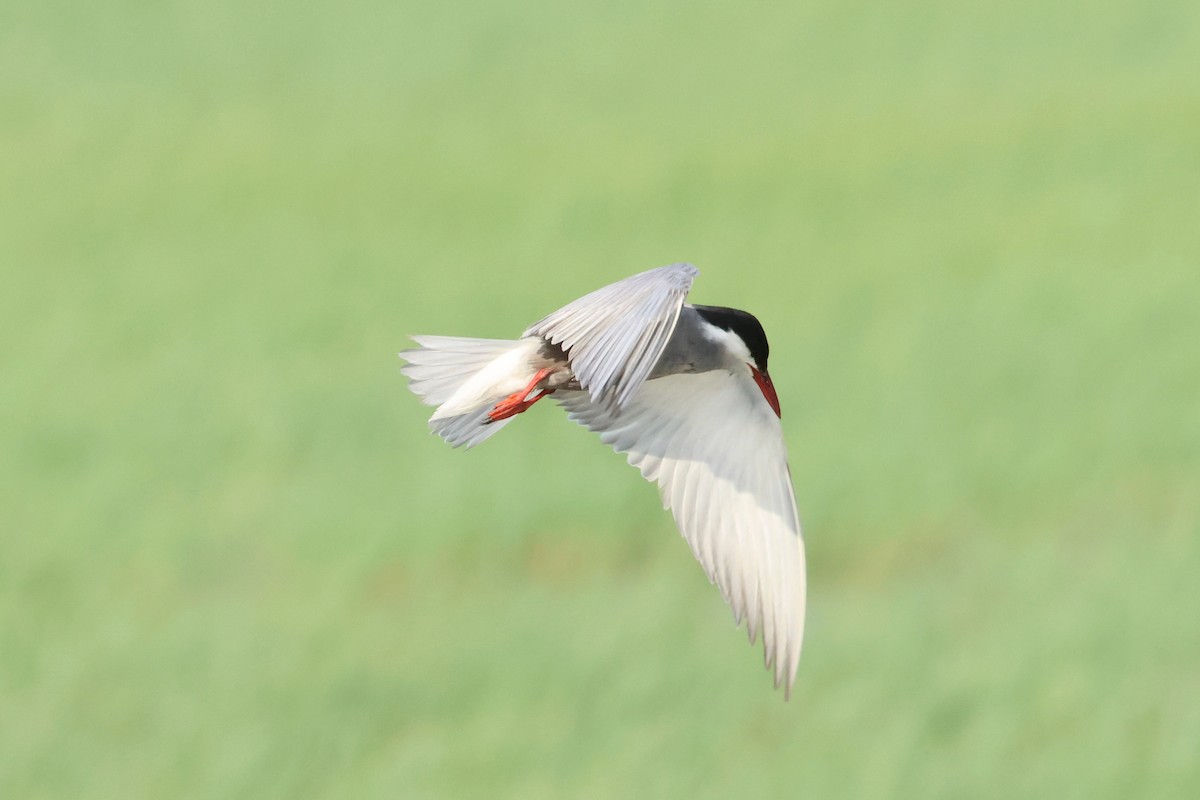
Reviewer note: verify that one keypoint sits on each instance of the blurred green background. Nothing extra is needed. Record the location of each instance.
(234, 564)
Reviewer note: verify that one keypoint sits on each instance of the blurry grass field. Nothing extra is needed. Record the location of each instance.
(234, 564)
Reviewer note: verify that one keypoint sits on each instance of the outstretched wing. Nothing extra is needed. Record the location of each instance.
(715, 448)
(615, 335)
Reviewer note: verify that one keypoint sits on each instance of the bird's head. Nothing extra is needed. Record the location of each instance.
(749, 341)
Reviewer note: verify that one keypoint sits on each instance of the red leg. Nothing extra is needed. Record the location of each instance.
(516, 403)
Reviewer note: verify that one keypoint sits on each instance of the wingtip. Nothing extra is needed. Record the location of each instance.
(686, 272)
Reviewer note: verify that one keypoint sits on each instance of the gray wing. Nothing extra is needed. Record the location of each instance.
(716, 450)
(615, 335)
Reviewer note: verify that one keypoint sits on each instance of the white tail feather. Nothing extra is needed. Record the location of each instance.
(456, 375)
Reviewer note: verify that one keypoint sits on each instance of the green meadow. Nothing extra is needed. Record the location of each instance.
(235, 564)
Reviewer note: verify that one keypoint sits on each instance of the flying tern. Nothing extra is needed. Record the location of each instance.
(683, 390)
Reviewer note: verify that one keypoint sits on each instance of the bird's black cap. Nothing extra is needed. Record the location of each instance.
(745, 325)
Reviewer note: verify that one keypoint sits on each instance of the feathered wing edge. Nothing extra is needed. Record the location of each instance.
(715, 449)
(615, 335)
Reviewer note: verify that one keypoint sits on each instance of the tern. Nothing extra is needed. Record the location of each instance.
(683, 390)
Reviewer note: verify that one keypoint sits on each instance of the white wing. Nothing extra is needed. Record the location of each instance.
(716, 450)
(615, 335)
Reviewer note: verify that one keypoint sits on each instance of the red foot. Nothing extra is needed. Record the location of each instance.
(515, 403)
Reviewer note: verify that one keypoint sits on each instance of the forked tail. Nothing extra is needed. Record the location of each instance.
(452, 373)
